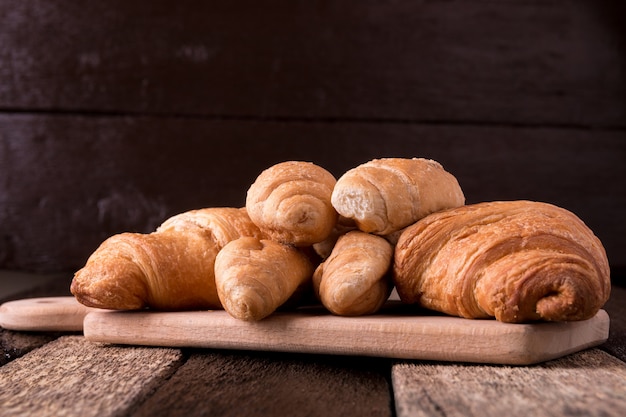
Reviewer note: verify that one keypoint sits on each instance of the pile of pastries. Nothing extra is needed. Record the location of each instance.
(391, 222)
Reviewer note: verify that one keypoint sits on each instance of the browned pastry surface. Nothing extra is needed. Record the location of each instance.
(516, 261)
(254, 277)
(170, 269)
(353, 280)
(385, 195)
(223, 223)
(290, 201)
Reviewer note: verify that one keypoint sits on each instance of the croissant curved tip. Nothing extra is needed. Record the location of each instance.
(101, 287)
(245, 304)
(348, 300)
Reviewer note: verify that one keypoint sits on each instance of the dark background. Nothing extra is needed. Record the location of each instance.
(115, 115)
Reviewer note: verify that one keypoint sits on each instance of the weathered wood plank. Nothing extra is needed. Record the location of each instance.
(250, 384)
(16, 344)
(590, 383)
(552, 62)
(72, 377)
(67, 183)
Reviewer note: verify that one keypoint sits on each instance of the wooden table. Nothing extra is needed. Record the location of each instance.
(62, 374)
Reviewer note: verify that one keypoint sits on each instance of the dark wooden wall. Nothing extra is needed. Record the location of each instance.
(115, 115)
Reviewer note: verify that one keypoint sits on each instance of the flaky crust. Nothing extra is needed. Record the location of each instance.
(165, 271)
(170, 269)
(290, 202)
(224, 224)
(517, 261)
(353, 281)
(385, 195)
(255, 277)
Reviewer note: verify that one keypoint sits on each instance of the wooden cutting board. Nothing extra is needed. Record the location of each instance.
(397, 332)
(43, 314)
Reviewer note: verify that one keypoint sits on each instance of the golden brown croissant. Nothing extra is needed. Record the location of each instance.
(255, 277)
(386, 195)
(290, 201)
(517, 261)
(353, 280)
(170, 269)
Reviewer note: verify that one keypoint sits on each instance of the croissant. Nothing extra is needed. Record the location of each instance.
(386, 195)
(353, 280)
(255, 277)
(169, 269)
(290, 202)
(517, 261)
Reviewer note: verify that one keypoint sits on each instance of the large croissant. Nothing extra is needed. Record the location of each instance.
(517, 261)
(170, 269)
(290, 202)
(385, 195)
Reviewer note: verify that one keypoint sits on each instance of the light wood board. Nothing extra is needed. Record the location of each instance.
(395, 333)
(384, 335)
(43, 314)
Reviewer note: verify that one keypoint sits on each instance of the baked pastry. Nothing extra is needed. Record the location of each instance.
(385, 195)
(222, 223)
(354, 279)
(255, 277)
(290, 202)
(517, 261)
(169, 269)
(325, 247)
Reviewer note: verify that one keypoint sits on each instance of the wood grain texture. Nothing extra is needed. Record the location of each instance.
(68, 182)
(16, 344)
(590, 383)
(216, 382)
(223, 383)
(389, 334)
(43, 314)
(70, 377)
(523, 62)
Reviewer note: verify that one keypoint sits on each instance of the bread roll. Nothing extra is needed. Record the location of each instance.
(290, 201)
(255, 277)
(354, 280)
(385, 195)
(517, 261)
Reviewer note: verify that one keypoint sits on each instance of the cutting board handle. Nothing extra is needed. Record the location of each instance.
(43, 314)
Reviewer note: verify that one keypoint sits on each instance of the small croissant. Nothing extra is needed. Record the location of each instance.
(254, 277)
(290, 202)
(169, 269)
(385, 195)
(354, 279)
(517, 261)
